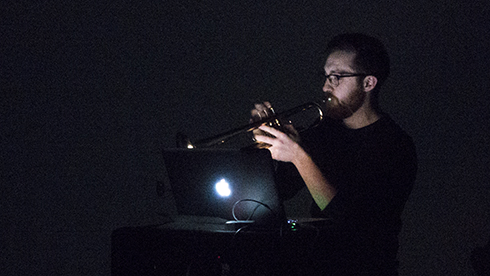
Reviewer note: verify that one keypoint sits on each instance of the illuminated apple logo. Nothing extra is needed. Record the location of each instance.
(223, 188)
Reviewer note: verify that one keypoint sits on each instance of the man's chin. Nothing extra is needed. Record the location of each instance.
(337, 111)
(334, 109)
(338, 114)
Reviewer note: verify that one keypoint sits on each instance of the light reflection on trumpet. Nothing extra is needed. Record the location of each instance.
(274, 121)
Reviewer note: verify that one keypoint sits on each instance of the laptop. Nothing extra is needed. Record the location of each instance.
(228, 185)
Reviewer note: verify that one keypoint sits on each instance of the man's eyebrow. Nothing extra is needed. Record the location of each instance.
(337, 72)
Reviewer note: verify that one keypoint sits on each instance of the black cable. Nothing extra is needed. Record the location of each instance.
(253, 212)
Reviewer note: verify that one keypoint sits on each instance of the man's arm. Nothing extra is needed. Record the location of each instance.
(285, 149)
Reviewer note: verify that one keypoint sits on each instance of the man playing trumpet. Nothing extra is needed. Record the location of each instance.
(358, 164)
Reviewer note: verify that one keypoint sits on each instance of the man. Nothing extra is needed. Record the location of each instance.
(358, 165)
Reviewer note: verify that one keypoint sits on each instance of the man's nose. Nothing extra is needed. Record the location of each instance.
(327, 87)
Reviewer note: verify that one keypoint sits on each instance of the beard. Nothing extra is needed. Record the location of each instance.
(340, 110)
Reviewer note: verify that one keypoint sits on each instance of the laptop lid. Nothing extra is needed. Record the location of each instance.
(230, 184)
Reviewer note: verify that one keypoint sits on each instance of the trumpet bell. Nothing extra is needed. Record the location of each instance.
(183, 141)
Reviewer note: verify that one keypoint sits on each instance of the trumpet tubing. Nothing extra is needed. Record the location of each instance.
(275, 121)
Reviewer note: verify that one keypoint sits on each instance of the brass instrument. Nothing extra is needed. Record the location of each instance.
(274, 121)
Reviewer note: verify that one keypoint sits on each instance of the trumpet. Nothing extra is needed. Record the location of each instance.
(274, 121)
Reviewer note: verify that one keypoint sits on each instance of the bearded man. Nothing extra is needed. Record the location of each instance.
(358, 165)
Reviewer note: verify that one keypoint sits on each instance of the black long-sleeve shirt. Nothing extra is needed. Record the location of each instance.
(373, 169)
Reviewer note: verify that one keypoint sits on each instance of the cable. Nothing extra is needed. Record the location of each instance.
(253, 212)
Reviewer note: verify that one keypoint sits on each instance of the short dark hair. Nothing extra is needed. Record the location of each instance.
(371, 55)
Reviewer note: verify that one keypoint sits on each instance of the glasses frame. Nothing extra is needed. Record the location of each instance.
(334, 79)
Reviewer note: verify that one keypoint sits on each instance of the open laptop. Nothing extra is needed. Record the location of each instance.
(232, 185)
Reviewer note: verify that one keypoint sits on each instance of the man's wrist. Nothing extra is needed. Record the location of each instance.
(300, 157)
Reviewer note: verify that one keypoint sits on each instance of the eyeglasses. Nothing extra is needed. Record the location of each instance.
(333, 79)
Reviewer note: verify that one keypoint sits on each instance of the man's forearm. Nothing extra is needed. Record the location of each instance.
(319, 187)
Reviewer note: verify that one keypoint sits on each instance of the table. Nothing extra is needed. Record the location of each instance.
(202, 248)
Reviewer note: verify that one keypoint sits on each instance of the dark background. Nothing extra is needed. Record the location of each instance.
(91, 91)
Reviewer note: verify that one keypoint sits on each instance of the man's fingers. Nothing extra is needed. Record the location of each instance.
(264, 139)
(271, 130)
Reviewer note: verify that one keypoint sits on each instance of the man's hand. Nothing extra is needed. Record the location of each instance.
(282, 146)
(263, 111)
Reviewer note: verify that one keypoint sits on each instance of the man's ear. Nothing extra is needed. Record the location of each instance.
(369, 83)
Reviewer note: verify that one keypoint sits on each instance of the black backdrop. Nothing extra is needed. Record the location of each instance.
(92, 91)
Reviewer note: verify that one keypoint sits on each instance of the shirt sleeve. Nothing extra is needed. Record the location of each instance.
(288, 179)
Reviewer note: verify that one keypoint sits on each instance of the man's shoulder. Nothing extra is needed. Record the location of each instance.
(389, 128)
